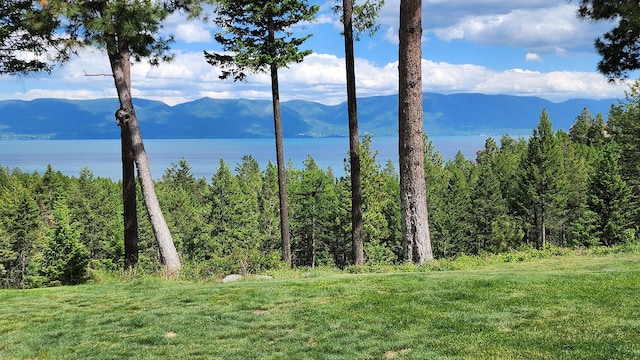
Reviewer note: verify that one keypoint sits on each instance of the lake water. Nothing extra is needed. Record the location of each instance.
(102, 157)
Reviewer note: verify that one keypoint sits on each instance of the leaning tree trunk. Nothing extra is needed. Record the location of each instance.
(282, 176)
(413, 198)
(354, 139)
(126, 116)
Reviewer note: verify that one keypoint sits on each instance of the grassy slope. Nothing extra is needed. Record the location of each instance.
(571, 307)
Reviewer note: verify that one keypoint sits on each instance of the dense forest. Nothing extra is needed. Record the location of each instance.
(555, 188)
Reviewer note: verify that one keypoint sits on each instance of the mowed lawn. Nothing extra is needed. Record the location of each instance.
(576, 307)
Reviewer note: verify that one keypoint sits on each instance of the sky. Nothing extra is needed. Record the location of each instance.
(519, 47)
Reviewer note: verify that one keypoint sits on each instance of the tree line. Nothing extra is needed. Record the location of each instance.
(256, 37)
(555, 188)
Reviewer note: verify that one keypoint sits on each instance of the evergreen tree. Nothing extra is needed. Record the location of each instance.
(436, 183)
(579, 131)
(364, 20)
(392, 237)
(313, 215)
(269, 214)
(375, 200)
(129, 31)
(64, 259)
(574, 185)
(28, 41)
(21, 232)
(610, 201)
(618, 47)
(413, 198)
(487, 207)
(541, 181)
(183, 198)
(225, 222)
(258, 34)
(454, 225)
(93, 208)
(624, 126)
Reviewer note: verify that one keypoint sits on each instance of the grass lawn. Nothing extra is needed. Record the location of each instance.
(580, 307)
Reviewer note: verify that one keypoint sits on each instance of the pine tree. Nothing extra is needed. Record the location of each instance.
(258, 34)
(313, 215)
(487, 207)
(541, 181)
(129, 31)
(365, 16)
(64, 259)
(28, 41)
(413, 198)
(610, 201)
(93, 208)
(624, 127)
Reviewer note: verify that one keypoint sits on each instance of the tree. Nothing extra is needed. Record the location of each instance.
(455, 223)
(129, 31)
(624, 128)
(610, 200)
(23, 230)
(258, 35)
(541, 180)
(620, 47)
(313, 215)
(365, 19)
(64, 259)
(27, 39)
(93, 205)
(413, 198)
(487, 204)
(574, 185)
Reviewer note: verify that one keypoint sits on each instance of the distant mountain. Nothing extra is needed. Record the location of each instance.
(457, 114)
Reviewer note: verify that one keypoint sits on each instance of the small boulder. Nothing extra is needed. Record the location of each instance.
(230, 278)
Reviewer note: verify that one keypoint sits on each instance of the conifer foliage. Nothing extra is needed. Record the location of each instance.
(258, 35)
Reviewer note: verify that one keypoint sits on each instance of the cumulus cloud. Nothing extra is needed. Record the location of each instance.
(541, 26)
(192, 32)
(321, 78)
(532, 57)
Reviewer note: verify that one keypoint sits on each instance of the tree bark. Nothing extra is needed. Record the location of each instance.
(354, 139)
(129, 201)
(282, 176)
(413, 198)
(121, 69)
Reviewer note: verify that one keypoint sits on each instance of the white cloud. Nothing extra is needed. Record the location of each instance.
(542, 26)
(532, 57)
(321, 78)
(192, 32)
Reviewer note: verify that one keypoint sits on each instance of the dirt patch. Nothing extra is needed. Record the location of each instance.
(394, 354)
(170, 334)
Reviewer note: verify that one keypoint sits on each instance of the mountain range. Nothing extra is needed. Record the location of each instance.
(456, 114)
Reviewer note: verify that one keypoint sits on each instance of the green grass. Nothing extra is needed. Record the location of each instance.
(575, 307)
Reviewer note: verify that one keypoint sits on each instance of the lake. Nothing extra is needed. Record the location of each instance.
(102, 157)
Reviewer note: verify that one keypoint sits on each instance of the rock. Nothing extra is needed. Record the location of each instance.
(230, 278)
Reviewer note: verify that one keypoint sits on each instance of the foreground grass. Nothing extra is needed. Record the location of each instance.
(583, 307)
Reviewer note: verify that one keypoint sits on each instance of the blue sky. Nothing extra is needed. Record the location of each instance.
(518, 47)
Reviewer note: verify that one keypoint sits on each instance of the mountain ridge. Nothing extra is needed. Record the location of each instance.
(454, 114)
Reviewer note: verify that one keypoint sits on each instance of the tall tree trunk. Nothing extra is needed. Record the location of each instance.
(282, 176)
(354, 139)
(121, 69)
(129, 201)
(413, 198)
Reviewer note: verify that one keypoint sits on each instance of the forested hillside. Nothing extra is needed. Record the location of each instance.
(571, 189)
(456, 114)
